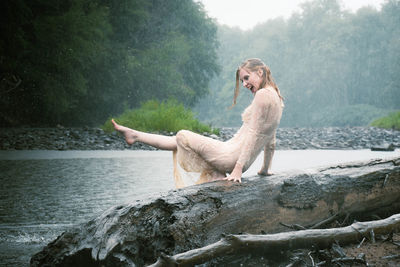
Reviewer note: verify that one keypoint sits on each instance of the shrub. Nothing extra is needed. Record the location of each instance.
(153, 116)
(392, 121)
(354, 115)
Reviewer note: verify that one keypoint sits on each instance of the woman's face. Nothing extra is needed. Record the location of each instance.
(250, 80)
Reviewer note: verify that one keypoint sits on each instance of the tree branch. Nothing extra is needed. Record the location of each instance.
(288, 240)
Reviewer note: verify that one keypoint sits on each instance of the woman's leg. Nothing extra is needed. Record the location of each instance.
(155, 140)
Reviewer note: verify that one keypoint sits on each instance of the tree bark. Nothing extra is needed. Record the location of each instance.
(196, 216)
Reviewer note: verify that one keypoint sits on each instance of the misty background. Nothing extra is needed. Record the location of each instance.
(79, 62)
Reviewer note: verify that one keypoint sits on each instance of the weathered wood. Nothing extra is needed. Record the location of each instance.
(193, 217)
(321, 238)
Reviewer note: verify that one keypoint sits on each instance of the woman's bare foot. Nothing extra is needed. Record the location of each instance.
(131, 136)
(265, 173)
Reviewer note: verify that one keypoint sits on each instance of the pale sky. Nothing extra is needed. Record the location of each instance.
(248, 13)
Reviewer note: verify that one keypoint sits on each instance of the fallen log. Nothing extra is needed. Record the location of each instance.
(322, 238)
(193, 217)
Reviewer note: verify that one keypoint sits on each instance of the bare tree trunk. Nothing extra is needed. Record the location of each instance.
(197, 216)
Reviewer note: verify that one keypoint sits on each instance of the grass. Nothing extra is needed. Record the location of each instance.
(167, 116)
(392, 121)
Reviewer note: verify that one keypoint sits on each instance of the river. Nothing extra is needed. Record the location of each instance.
(43, 193)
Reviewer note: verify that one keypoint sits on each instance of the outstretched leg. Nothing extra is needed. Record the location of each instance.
(155, 140)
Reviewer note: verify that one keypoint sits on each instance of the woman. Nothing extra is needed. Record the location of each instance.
(212, 159)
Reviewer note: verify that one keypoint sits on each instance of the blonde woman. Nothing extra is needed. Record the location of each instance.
(213, 159)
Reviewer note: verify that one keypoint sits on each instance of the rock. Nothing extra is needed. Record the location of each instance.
(385, 147)
(138, 233)
(214, 136)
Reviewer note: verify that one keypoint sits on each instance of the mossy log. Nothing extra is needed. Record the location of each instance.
(193, 217)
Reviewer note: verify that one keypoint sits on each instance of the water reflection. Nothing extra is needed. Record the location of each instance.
(42, 193)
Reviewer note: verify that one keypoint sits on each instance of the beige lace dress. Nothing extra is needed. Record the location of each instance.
(200, 159)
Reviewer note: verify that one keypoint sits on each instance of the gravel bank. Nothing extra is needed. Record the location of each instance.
(287, 138)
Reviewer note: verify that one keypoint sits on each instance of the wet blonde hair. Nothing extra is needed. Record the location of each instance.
(253, 65)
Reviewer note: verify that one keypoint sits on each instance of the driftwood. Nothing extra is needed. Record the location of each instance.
(194, 217)
(322, 238)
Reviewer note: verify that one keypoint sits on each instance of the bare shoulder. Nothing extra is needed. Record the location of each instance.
(264, 96)
(263, 92)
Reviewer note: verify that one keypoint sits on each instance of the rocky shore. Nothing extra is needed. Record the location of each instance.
(85, 138)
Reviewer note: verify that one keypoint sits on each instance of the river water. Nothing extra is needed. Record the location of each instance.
(43, 193)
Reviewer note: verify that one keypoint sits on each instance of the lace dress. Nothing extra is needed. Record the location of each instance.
(200, 159)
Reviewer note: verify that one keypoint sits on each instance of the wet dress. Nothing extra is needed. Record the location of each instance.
(200, 159)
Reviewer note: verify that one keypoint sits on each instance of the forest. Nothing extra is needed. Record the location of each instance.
(333, 67)
(78, 62)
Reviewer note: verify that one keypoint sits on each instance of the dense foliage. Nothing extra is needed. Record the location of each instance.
(77, 62)
(334, 68)
(392, 121)
(154, 116)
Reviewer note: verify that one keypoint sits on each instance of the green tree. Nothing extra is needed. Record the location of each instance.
(77, 62)
(333, 67)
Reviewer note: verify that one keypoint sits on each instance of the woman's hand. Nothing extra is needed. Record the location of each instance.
(236, 174)
(235, 178)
